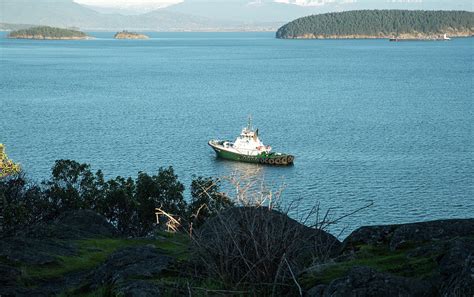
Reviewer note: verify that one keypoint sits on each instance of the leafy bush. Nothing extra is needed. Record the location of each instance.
(163, 191)
(127, 203)
(23, 203)
(206, 200)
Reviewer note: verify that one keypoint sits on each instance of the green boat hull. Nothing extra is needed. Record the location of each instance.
(270, 159)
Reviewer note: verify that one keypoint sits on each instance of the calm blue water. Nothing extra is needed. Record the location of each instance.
(366, 119)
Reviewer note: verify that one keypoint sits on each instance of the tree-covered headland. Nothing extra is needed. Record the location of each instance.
(46, 32)
(380, 24)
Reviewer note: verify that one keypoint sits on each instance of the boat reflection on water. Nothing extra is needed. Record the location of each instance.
(241, 168)
(251, 184)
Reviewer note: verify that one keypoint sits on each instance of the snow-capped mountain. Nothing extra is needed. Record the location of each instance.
(191, 15)
(305, 2)
(125, 6)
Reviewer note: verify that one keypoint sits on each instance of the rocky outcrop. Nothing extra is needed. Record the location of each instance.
(245, 244)
(255, 245)
(127, 269)
(41, 244)
(365, 281)
(438, 257)
(261, 223)
(130, 35)
(456, 269)
(33, 251)
(72, 225)
(396, 236)
(8, 278)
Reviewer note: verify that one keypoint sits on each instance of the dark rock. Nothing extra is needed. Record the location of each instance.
(316, 291)
(369, 235)
(137, 288)
(8, 278)
(397, 236)
(53, 287)
(429, 231)
(75, 224)
(367, 282)
(456, 269)
(265, 223)
(253, 245)
(34, 251)
(44, 244)
(89, 222)
(130, 263)
(8, 275)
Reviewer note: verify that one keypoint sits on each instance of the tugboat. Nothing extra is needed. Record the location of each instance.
(249, 148)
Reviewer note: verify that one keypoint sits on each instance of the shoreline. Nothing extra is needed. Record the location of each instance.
(400, 37)
(40, 37)
(401, 259)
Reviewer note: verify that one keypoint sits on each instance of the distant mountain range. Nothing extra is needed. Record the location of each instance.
(66, 13)
(190, 15)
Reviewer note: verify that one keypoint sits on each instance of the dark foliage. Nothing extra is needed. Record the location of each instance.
(163, 191)
(206, 200)
(377, 22)
(23, 203)
(127, 203)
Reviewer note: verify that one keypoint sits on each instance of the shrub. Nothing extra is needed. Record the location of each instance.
(24, 203)
(162, 190)
(206, 200)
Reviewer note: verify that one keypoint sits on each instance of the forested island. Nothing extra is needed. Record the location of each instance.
(402, 24)
(49, 33)
(130, 35)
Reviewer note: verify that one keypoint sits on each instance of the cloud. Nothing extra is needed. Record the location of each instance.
(314, 2)
(137, 5)
(405, 1)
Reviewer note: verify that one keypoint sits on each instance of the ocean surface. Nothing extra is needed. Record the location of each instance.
(368, 120)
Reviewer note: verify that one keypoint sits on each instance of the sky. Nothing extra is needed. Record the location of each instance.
(375, 3)
(148, 5)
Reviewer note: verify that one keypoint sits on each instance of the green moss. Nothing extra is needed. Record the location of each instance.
(381, 259)
(93, 252)
(176, 245)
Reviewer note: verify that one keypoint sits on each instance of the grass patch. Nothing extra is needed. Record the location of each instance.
(93, 252)
(379, 258)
